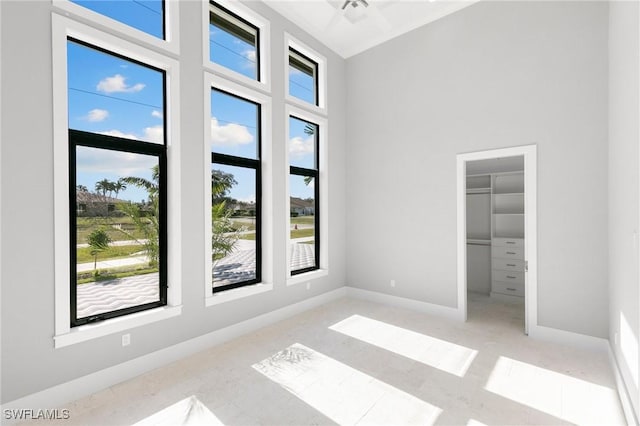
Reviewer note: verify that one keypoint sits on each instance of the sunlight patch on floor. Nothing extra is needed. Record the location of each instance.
(437, 353)
(473, 422)
(559, 395)
(188, 412)
(342, 393)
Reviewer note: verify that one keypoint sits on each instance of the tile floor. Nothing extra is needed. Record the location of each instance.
(356, 362)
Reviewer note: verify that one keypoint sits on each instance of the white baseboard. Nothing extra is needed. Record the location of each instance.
(623, 394)
(59, 395)
(581, 341)
(403, 302)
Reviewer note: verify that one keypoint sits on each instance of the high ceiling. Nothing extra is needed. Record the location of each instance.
(353, 30)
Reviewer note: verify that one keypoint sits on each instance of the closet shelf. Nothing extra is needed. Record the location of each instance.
(479, 242)
(478, 190)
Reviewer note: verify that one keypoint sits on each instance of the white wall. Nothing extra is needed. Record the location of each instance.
(624, 189)
(29, 361)
(493, 75)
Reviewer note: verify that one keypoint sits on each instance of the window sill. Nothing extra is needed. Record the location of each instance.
(237, 293)
(315, 109)
(115, 325)
(227, 73)
(307, 276)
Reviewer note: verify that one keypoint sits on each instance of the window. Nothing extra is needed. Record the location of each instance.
(303, 77)
(235, 191)
(144, 15)
(117, 184)
(304, 190)
(234, 42)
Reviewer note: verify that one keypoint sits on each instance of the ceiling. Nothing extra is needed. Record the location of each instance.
(495, 165)
(356, 29)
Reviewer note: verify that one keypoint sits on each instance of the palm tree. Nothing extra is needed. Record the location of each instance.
(119, 186)
(103, 186)
(148, 225)
(111, 186)
(98, 241)
(81, 188)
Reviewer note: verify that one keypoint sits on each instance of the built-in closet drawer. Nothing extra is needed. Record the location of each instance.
(507, 242)
(508, 276)
(512, 289)
(508, 264)
(507, 252)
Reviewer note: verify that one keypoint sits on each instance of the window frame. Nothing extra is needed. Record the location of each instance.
(315, 174)
(263, 45)
(321, 106)
(321, 193)
(265, 178)
(314, 66)
(94, 140)
(254, 164)
(62, 29)
(170, 43)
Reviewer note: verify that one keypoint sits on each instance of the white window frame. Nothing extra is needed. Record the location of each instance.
(323, 202)
(264, 46)
(170, 44)
(65, 335)
(213, 81)
(322, 107)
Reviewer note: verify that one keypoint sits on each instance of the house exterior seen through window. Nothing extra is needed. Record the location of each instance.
(117, 173)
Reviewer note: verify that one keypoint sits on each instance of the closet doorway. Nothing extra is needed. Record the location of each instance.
(496, 194)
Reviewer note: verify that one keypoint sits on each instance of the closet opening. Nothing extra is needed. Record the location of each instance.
(496, 241)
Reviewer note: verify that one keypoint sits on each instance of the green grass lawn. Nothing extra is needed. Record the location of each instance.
(112, 274)
(86, 225)
(295, 233)
(113, 252)
(237, 224)
(301, 233)
(303, 220)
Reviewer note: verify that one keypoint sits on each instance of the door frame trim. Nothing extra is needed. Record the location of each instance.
(530, 233)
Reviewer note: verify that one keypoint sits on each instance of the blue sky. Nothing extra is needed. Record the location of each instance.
(301, 85)
(145, 15)
(113, 96)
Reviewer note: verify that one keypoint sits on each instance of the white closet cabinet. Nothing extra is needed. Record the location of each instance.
(507, 239)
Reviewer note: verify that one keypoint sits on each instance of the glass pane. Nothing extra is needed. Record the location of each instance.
(302, 143)
(302, 77)
(113, 96)
(303, 229)
(234, 125)
(233, 214)
(117, 230)
(145, 15)
(233, 43)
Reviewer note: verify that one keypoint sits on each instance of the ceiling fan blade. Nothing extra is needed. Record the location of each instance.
(377, 16)
(346, 3)
(335, 19)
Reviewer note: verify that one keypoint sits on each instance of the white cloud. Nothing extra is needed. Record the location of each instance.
(229, 134)
(156, 114)
(299, 147)
(92, 160)
(150, 134)
(154, 134)
(119, 134)
(250, 55)
(96, 115)
(117, 84)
